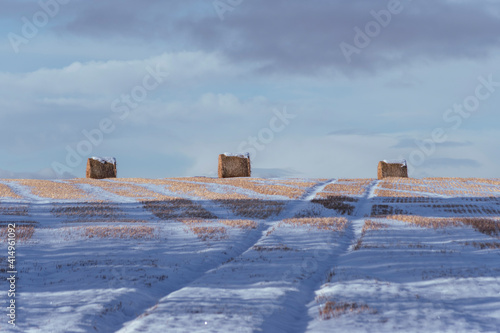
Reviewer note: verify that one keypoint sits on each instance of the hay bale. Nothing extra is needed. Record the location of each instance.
(234, 165)
(392, 169)
(101, 167)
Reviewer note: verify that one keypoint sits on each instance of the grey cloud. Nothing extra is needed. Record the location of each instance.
(292, 36)
(141, 20)
(299, 36)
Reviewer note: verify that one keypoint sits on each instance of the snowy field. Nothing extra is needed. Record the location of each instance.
(247, 255)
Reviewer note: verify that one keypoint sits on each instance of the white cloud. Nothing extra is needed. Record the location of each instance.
(101, 80)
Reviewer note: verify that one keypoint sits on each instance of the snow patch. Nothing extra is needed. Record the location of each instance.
(111, 160)
(402, 162)
(242, 155)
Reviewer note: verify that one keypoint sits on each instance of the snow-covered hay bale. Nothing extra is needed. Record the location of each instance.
(392, 169)
(101, 167)
(234, 165)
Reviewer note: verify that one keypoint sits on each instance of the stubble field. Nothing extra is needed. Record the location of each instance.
(273, 255)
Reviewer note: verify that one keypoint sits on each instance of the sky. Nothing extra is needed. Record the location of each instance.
(318, 88)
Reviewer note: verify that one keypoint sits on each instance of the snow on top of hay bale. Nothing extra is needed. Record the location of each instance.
(111, 160)
(402, 162)
(101, 167)
(242, 155)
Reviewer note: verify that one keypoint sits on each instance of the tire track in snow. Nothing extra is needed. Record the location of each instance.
(144, 299)
(67, 253)
(292, 208)
(388, 274)
(346, 244)
(149, 299)
(289, 211)
(362, 211)
(295, 207)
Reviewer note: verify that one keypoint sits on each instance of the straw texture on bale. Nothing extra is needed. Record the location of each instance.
(234, 166)
(100, 170)
(391, 170)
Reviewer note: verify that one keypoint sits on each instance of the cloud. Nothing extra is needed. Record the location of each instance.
(293, 37)
(225, 77)
(300, 37)
(112, 78)
(405, 143)
(62, 102)
(446, 162)
(353, 131)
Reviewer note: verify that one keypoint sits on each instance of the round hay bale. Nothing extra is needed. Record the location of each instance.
(392, 169)
(100, 168)
(234, 165)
